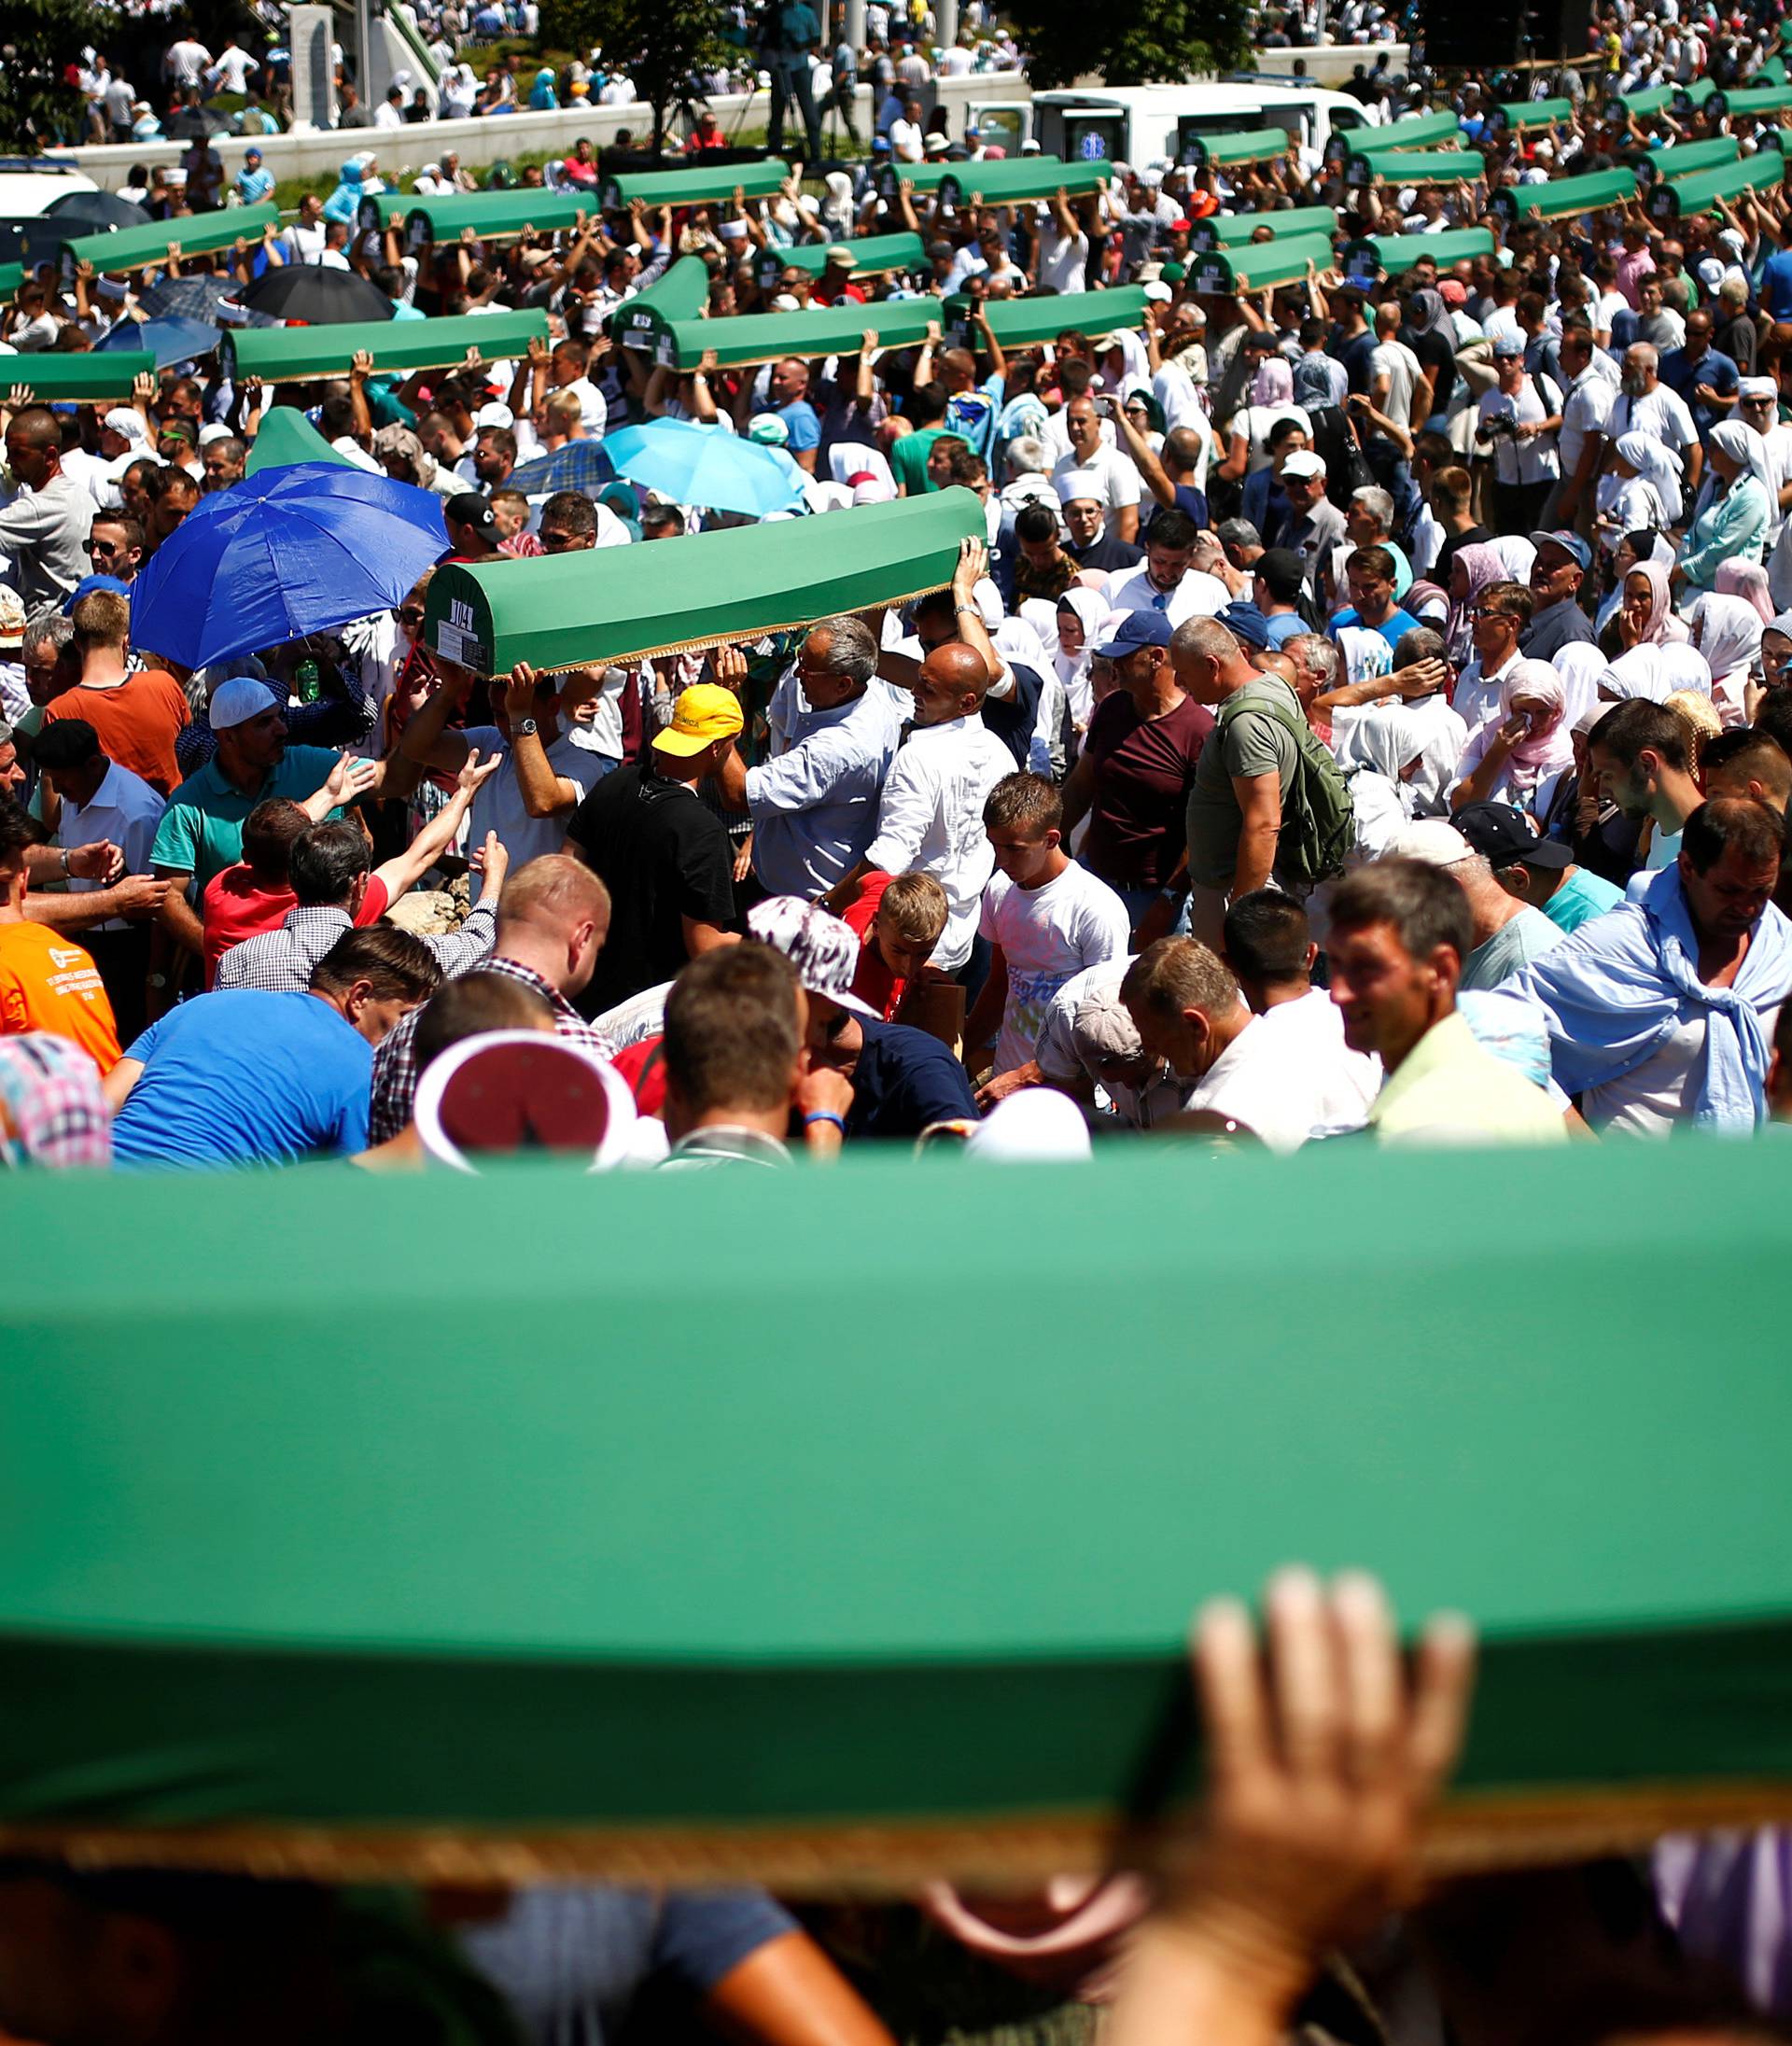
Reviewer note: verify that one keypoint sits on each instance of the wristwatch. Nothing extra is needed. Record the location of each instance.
(525, 728)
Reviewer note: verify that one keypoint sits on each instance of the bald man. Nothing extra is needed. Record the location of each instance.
(43, 529)
(929, 817)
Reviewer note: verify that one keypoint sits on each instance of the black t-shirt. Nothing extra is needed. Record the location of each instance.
(664, 855)
(1439, 358)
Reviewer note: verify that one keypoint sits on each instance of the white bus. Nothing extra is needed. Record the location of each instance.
(1141, 125)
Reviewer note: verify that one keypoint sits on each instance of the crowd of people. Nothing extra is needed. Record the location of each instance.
(1364, 706)
(1362, 713)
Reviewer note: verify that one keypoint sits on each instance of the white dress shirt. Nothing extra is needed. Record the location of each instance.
(126, 810)
(815, 804)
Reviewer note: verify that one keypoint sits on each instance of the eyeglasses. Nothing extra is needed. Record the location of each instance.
(409, 614)
(1487, 610)
(97, 548)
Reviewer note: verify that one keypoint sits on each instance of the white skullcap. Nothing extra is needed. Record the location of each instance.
(1079, 483)
(237, 701)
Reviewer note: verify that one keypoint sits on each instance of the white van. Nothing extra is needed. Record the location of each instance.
(30, 186)
(1141, 125)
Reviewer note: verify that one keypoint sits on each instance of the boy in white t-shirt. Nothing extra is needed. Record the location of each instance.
(1045, 918)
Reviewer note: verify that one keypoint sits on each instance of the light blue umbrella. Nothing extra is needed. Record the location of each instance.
(705, 466)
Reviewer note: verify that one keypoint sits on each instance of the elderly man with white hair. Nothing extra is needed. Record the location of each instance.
(1646, 405)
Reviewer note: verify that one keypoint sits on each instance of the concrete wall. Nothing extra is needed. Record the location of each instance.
(404, 150)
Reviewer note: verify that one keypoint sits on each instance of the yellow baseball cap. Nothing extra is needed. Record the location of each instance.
(702, 715)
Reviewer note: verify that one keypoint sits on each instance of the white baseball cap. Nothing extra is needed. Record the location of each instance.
(1431, 842)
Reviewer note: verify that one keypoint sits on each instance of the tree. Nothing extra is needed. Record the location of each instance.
(37, 108)
(660, 42)
(1138, 42)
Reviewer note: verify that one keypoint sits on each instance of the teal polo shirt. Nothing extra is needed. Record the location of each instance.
(200, 830)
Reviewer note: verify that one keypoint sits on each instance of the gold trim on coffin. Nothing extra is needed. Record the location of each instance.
(1473, 1834)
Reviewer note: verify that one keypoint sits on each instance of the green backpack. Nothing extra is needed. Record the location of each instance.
(1319, 819)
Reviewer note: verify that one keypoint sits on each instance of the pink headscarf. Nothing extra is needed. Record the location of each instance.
(1274, 383)
(1482, 566)
(1748, 580)
(1663, 628)
(1545, 752)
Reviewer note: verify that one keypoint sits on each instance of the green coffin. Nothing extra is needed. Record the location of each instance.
(286, 436)
(1256, 265)
(1656, 99)
(559, 612)
(1699, 192)
(764, 337)
(12, 277)
(1417, 132)
(1031, 322)
(873, 256)
(194, 234)
(1011, 181)
(606, 1557)
(681, 292)
(1685, 157)
(91, 376)
(1228, 230)
(1563, 196)
(1251, 146)
(493, 216)
(1758, 99)
(381, 210)
(1001, 180)
(1773, 72)
(294, 354)
(704, 185)
(1522, 114)
(1393, 255)
(1415, 167)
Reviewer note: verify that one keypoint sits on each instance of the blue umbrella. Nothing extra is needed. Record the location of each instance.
(170, 340)
(705, 466)
(295, 550)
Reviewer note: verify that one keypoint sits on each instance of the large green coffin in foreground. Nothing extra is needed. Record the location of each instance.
(89, 376)
(295, 355)
(554, 612)
(193, 235)
(632, 1524)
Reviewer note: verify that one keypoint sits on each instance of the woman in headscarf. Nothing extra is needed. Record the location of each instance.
(1516, 553)
(1471, 570)
(836, 206)
(850, 460)
(1655, 672)
(1272, 397)
(1434, 345)
(1427, 602)
(1516, 755)
(1631, 552)
(1067, 701)
(1736, 506)
(542, 97)
(345, 202)
(1748, 580)
(1727, 630)
(1776, 654)
(1406, 751)
(1641, 493)
(1645, 615)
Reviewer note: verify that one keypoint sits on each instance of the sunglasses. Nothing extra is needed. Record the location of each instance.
(409, 614)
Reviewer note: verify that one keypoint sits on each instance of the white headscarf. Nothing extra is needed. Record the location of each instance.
(850, 459)
(1660, 466)
(1655, 672)
(1516, 555)
(1729, 638)
(1091, 606)
(1387, 739)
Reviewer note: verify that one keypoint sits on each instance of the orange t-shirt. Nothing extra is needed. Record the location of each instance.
(135, 722)
(50, 982)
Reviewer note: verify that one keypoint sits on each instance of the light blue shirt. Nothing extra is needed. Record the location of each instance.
(815, 805)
